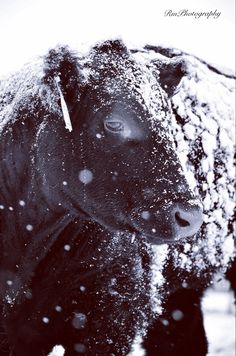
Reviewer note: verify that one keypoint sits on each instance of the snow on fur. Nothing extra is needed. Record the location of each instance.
(20, 90)
(201, 128)
(205, 106)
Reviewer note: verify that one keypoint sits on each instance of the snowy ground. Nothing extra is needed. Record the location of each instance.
(220, 323)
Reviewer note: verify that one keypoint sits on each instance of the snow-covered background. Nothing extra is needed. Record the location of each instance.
(219, 319)
(29, 27)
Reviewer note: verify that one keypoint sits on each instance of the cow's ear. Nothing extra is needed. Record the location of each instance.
(170, 75)
(61, 66)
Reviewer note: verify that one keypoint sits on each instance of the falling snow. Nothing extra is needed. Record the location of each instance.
(85, 176)
(29, 227)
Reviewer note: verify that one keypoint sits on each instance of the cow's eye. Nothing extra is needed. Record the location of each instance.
(114, 126)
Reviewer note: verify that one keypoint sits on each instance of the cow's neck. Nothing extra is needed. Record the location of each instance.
(36, 228)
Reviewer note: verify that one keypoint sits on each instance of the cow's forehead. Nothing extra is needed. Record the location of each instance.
(114, 78)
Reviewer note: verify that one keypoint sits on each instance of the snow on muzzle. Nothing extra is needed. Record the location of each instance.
(170, 223)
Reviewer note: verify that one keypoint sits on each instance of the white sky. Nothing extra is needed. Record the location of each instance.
(30, 27)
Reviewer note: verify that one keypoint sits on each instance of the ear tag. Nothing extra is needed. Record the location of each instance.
(64, 108)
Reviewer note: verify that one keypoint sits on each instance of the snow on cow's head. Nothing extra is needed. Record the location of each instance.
(117, 164)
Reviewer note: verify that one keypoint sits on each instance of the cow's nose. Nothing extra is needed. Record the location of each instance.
(170, 223)
(186, 220)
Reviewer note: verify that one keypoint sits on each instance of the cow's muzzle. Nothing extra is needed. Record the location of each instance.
(171, 223)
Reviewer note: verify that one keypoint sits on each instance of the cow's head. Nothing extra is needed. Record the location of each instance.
(118, 165)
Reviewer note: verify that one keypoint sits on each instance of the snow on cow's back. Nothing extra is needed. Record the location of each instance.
(22, 89)
(202, 126)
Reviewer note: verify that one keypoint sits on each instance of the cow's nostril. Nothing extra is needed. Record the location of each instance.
(187, 220)
(180, 221)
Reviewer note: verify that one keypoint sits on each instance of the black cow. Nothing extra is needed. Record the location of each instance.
(81, 204)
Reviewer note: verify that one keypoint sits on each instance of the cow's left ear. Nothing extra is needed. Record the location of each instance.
(170, 75)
